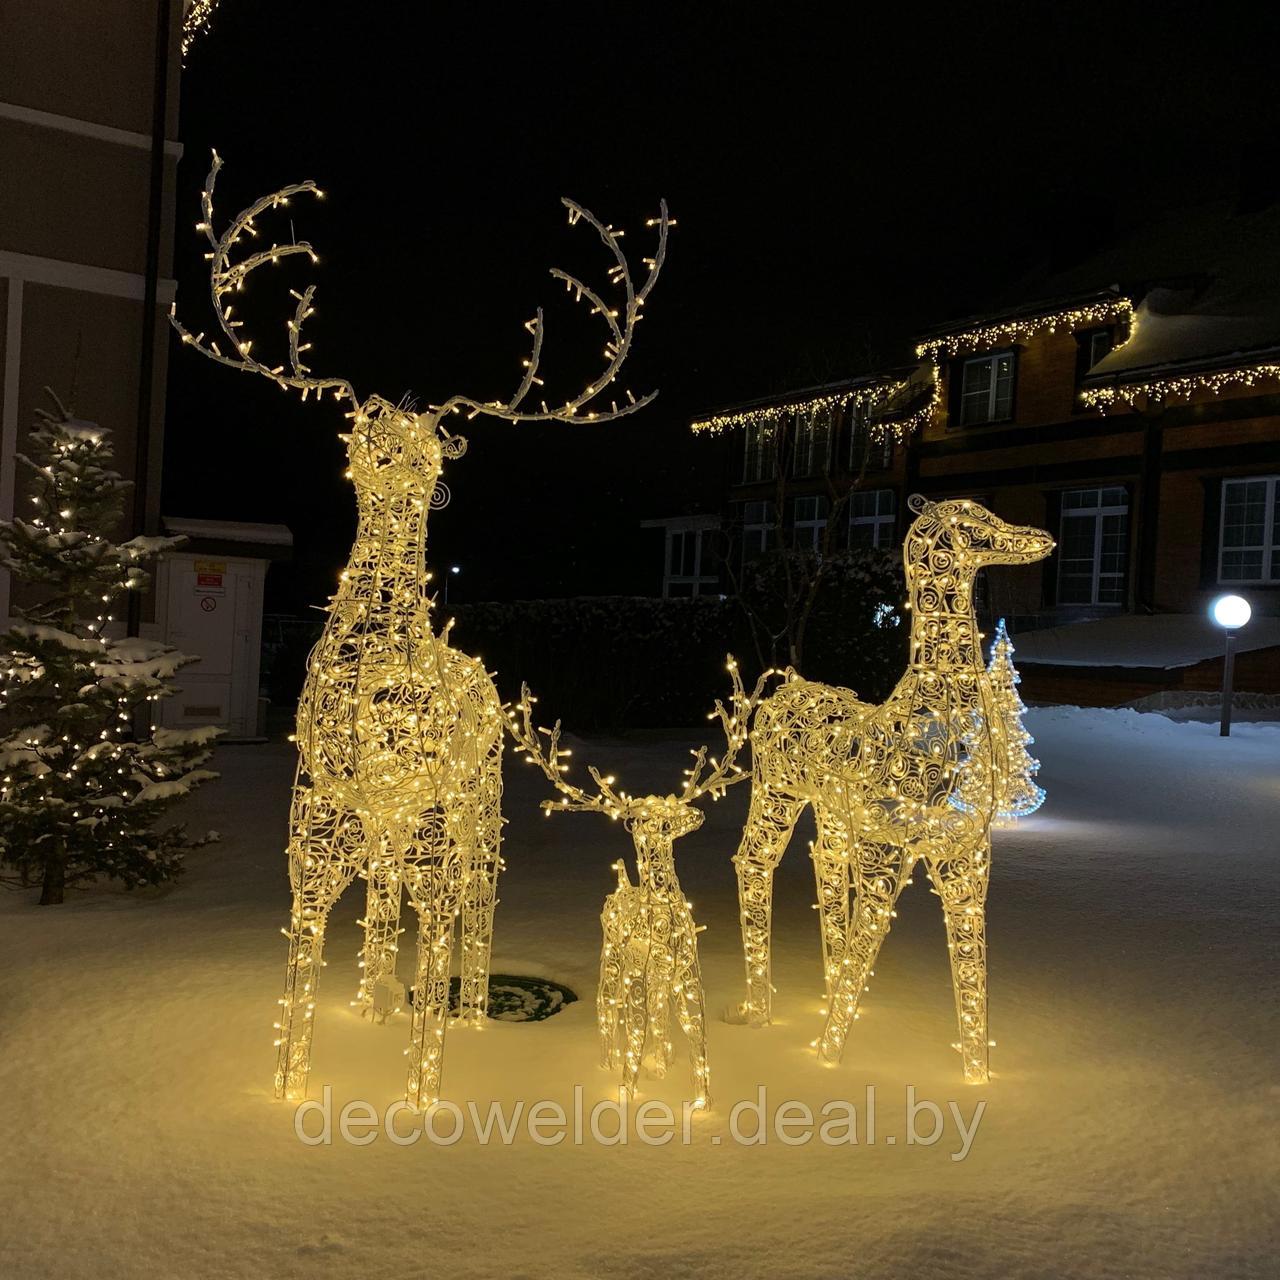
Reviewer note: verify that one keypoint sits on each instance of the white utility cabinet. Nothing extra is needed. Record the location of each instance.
(209, 603)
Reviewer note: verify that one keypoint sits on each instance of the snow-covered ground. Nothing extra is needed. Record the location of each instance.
(1129, 1128)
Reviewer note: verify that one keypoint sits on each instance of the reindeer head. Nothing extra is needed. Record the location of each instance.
(395, 452)
(393, 449)
(973, 535)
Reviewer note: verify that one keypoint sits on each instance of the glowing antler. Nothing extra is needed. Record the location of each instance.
(573, 798)
(621, 324)
(226, 277)
(736, 720)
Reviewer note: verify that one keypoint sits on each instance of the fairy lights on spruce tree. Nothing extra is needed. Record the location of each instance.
(399, 735)
(82, 791)
(649, 955)
(1010, 780)
(880, 778)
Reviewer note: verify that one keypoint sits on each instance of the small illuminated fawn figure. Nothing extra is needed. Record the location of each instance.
(649, 957)
(399, 735)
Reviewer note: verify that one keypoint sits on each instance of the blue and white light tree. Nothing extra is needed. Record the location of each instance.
(1017, 793)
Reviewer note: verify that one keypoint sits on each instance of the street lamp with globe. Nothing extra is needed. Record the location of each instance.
(1230, 613)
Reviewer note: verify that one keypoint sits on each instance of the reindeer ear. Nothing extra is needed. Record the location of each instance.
(453, 446)
(918, 504)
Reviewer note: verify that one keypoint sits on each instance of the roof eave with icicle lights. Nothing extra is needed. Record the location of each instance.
(1138, 387)
(983, 333)
(874, 389)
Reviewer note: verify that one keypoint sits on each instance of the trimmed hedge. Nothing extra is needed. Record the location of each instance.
(605, 661)
(617, 662)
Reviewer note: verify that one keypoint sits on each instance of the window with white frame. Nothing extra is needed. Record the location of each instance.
(760, 450)
(691, 569)
(873, 448)
(759, 530)
(986, 388)
(812, 455)
(872, 514)
(1093, 549)
(1249, 539)
(808, 520)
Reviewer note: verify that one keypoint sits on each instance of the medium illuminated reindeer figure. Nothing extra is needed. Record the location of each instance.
(879, 779)
(649, 956)
(399, 735)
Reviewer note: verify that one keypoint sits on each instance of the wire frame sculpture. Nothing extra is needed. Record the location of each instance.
(399, 735)
(880, 781)
(1017, 794)
(649, 953)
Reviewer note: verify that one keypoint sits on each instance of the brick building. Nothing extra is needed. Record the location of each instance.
(1139, 421)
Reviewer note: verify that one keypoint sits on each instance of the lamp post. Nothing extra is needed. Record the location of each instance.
(1230, 613)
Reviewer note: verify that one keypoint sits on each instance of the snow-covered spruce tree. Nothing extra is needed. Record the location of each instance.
(1016, 791)
(81, 796)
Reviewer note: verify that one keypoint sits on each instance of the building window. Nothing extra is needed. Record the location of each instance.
(873, 450)
(691, 569)
(1093, 551)
(759, 530)
(986, 389)
(1249, 544)
(809, 519)
(760, 450)
(872, 515)
(813, 442)
(1097, 344)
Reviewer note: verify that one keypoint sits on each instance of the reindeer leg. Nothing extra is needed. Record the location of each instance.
(771, 820)
(433, 876)
(634, 1001)
(615, 922)
(325, 848)
(381, 925)
(481, 894)
(961, 883)
(658, 981)
(879, 881)
(831, 872)
(691, 1013)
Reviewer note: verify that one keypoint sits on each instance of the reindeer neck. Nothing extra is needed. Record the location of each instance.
(944, 631)
(387, 565)
(655, 860)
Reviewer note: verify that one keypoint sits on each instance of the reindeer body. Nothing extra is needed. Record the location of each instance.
(879, 779)
(400, 765)
(399, 735)
(649, 955)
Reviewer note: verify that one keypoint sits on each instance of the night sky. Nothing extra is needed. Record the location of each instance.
(839, 183)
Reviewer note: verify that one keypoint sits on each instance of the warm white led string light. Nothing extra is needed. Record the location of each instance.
(879, 779)
(649, 957)
(399, 735)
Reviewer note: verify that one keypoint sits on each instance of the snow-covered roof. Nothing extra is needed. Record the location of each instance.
(1176, 327)
(274, 535)
(1164, 640)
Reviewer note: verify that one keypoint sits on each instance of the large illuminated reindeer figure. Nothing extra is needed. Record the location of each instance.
(399, 735)
(649, 955)
(879, 780)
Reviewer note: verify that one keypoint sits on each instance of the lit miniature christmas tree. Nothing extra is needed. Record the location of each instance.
(1017, 794)
(80, 793)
